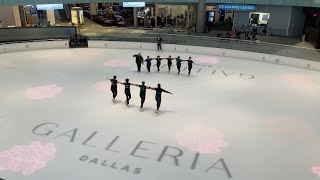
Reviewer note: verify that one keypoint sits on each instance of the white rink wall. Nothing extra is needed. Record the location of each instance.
(63, 44)
(28, 46)
(288, 61)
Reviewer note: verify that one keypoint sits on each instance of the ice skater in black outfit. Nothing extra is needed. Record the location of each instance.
(159, 91)
(190, 62)
(114, 88)
(127, 91)
(139, 61)
(169, 63)
(148, 60)
(178, 60)
(143, 89)
(158, 62)
(159, 42)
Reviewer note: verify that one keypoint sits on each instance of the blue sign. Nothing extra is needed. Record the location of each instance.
(233, 7)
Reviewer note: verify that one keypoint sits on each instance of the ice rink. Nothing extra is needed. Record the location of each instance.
(231, 119)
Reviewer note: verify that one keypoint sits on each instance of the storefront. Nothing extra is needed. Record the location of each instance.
(312, 26)
(278, 20)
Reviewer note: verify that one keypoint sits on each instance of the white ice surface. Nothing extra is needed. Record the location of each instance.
(269, 124)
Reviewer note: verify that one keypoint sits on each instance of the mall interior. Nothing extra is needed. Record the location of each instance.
(298, 20)
(159, 89)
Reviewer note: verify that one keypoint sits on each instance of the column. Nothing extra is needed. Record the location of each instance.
(51, 17)
(201, 16)
(16, 16)
(135, 17)
(93, 10)
(156, 15)
(188, 17)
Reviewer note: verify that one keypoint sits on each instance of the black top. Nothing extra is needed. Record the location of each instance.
(178, 61)
(139, 59)
(143, 89)
(159, 92)
(158, 60)
(159, 40)
(127, 86)
(190, 63)
(148, 60)
(113, 82)
(169, 60)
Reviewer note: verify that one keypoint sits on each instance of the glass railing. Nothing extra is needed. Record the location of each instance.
(225, 43)
(66, 32)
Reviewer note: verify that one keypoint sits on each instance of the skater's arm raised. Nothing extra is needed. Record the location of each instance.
(166, 91)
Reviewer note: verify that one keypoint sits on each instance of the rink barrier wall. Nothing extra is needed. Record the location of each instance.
(245, 55)
(34, 45)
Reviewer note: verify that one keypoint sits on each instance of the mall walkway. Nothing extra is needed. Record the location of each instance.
(93, 29)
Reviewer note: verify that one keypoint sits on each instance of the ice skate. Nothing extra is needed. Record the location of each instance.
(156, 112)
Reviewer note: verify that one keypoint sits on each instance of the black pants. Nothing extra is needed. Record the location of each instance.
(128, 97)
(143, 98)
(169, 66)
(158, 99)
(178, 67)
(158, 66)
(159, 47)
(114, 91)
(148, 67)
(189, 69)
(138, 66)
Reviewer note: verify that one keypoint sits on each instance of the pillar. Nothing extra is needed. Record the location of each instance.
(135, 17)
(16, 16)
(93, 10)
(201, 16)
(51, 17)
(188, 17)
(156, 15)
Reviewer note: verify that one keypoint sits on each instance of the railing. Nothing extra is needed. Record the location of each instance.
(225, 43)
(36, 33)
(66, 32)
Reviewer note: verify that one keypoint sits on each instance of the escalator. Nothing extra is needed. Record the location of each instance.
(64, 14)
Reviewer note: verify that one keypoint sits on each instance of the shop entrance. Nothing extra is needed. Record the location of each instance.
(219, 19)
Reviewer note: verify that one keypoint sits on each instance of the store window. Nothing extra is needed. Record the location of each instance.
(259, 19)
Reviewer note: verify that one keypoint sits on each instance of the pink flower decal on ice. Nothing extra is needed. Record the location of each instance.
(297, 79)
(102, 85)
(116, 63)
(316, 170)
(6, 66)
(202, 140)
(27, 159)
(42, 92)
(207, 60)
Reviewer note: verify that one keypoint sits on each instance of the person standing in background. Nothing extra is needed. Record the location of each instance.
(159, 42)
(0, 24)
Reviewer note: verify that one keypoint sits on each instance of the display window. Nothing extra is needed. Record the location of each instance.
(259, 19)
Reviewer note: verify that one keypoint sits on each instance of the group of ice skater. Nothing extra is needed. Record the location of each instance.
(140, 61)
(143, 89)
